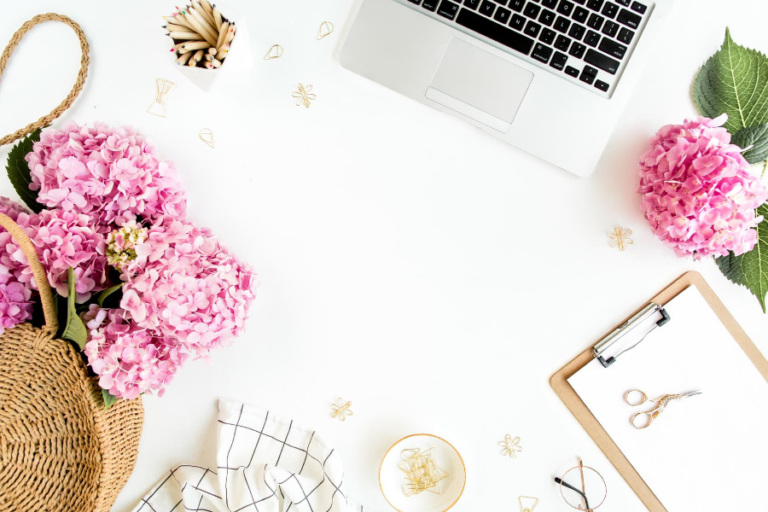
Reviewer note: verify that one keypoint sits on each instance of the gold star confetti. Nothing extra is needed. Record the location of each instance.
(510, 447)
(620, 238)
(341, 409)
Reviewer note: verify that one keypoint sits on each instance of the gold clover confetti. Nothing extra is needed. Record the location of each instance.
(510, 447)
(341, 410)
(620, 238)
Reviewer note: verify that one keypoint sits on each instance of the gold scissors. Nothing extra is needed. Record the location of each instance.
(652, 414)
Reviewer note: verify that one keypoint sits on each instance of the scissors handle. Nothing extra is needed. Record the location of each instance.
(642, 397)
(649, 417)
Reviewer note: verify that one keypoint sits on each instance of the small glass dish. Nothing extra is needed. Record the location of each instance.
(447, 457)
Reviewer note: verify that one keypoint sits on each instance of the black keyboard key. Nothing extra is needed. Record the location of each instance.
(610, 28)
(493, 30)
(532, 29)
(603, 62)
(532, 10)
(565, 8)
(417, 2)
(595, 5)
(595, 21)
(625, 35)
(562, 24)
(558, 61)
(629, 19)
(547, 18)
(501, 2)
(430, 5)
(562, 43)
(577, 31)
(580, 2)
(625, 3)
(472, 4)
(602, 85)
(547, 36)
(518, 22)
(580, 15)
(570, 70)
(542, 53)
(638, 7)
(610, 10)
(592, 38)
(549, 4)
(487, 8)
(577, 50)
(448, 9)
(502, 15)
(586, 77)
(517, 5)
(613, 48)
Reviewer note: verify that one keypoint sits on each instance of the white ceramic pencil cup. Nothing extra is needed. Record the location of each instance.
(238, 58)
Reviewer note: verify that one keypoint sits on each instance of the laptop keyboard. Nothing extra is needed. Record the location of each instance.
(587, 41)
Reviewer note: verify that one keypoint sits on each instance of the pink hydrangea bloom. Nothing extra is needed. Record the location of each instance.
(129, 359)
(185, 284)
(110, 174)
(66, 239)
(12, 259)
(15, 304)
(697, 191)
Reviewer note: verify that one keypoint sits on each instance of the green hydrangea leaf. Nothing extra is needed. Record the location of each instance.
(109, 399)
(734, 81)
(74, 330)
(751, 269)
(18, 171)
(101, 297)
(757, 137)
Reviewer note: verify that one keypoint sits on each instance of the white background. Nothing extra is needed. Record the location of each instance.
(400, 251)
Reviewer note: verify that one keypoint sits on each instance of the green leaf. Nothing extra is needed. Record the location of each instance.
(757, 137)
(109, 400)
(751, 269)
(18, 171)
(106, 293)
(734, 81)
(74, 329)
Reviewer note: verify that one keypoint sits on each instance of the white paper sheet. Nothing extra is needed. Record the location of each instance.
(705, 453)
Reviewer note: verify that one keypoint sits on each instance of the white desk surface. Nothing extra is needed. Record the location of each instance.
(396, 246)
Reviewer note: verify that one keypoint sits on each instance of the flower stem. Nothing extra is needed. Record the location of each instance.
(765, 166)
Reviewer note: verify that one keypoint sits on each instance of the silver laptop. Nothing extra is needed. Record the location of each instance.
(550, 77)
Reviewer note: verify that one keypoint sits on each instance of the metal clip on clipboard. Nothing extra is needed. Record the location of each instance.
(644, 314)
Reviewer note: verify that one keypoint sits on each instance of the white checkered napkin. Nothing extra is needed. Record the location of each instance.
(265, 464)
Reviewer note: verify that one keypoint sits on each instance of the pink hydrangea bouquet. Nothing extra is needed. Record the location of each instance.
(107, 216)
(699, 191)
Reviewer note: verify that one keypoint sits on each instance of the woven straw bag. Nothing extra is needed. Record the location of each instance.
(59, 449)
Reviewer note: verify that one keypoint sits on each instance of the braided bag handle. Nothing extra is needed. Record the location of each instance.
(41, 278)
(84, 61)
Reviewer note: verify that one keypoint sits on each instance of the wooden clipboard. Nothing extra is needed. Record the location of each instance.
(568, 395)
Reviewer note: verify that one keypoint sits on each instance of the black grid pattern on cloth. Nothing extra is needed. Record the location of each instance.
(262, 457)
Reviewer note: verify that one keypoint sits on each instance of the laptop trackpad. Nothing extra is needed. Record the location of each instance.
(479, 85)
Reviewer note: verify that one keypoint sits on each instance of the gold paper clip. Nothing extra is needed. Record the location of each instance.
(275, 52)
(206, 135)
(326, 29)
(158, 108)
(341, 410)
(523, 507)
(620, 238)
(510, 447)
(304, 96)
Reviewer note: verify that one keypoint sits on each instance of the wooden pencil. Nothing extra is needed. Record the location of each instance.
(179, 36)
(183, 59)
(222, 35)
(204, 25)
(198, 56)
(207, 16)
(217, 17)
